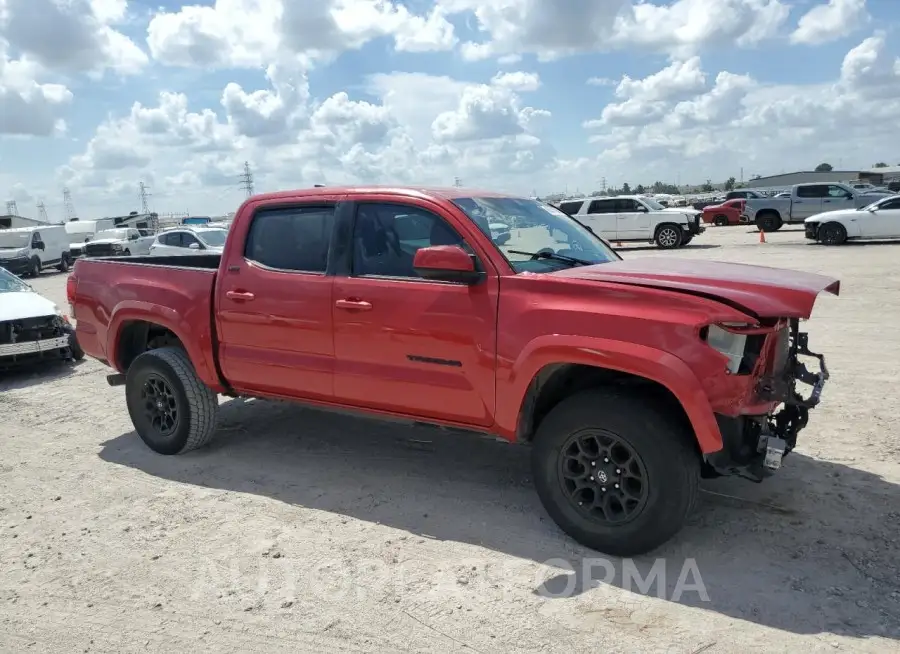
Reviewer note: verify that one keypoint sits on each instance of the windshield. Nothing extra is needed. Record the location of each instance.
(518, 225)
(14, 240)
(876, 203)
(9, 283)
(213, 237)
(653, 204)
(118, 234)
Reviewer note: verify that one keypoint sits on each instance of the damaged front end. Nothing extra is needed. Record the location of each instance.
(754, 445)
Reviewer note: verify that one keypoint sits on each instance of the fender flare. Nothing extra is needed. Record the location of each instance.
(643, 361)
(195, 342)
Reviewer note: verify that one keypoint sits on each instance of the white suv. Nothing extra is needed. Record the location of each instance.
(634, 218)
(189, 240)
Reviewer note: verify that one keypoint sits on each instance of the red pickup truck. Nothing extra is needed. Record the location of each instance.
(630, 379)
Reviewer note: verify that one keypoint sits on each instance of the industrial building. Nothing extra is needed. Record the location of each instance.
(803, 177)
(9, 221)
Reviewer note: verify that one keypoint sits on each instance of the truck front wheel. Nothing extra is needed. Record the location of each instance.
(769, 222)
(668, 236)
(614, 472)
(172, 410)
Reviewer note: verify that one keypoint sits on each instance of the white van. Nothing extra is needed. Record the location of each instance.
(82, 231)
(25, 251)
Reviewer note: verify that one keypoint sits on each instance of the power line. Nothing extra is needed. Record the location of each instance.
(11, 208)
(42, 212)
(145, 208)
(247, 179)
(69, 205)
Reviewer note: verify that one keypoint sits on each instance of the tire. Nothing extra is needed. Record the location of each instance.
(64, 264)
(668, 460)
(832, 234)
(170, 377)
(720, 221)
(668, 236)
(768, 222)
(75, 347)
(687, 239)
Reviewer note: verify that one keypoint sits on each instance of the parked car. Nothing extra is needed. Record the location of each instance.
(743, 194)
(879, 220)
(32, 328)
(189, 240)
(631, 218)
(730, 212)
(119, 242)
(82, 231)
(29, 250)
(769, 214)
(630, 379)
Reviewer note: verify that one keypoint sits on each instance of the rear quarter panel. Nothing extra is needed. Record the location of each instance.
(111, 294)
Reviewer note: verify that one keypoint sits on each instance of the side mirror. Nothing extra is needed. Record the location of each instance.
(446, 263)
(873, 209)
(194, 246)
(40, 245)
(849, 196)
(643, 209)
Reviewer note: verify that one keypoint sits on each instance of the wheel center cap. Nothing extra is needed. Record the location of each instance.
(602, 477)
(160, 405)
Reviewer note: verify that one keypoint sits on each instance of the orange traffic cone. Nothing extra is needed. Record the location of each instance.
(762, 236)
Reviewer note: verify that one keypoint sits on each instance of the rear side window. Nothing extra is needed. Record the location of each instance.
(602, 206)
(294, 238)
(812, 191)
(570, 208)
(172, 239)
(627, 205)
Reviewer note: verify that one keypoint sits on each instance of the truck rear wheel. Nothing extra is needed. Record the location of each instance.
(768, 222)
(172, 410)
(614, 472)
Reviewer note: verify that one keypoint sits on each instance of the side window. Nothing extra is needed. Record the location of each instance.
(812, 191)
(187, 239)
(35, 238)
(837, 192)
(295, 238)
(172, 238)
(890, 204)
(627, 205)
(602, 206)
(570, 208)
(386, 238)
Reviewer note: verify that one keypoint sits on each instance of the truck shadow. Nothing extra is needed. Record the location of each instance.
(811, 551)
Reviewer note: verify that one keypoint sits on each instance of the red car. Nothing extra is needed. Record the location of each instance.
(629, 379)
(727, 213)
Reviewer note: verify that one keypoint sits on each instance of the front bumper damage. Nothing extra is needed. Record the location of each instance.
(754, 446)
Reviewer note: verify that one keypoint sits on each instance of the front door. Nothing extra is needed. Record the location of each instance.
(274, 302)
(837, 198)
(633, 220)
(883, 222)
(601, 216)
(406, 344)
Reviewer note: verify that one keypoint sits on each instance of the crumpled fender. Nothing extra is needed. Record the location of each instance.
(641, 360)
(197, 342)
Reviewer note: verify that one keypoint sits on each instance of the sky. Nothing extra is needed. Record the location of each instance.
(523, 96)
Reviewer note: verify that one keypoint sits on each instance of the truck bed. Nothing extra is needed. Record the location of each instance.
(113, 292)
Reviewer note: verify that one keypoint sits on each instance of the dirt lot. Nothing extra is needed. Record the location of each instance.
(305, 531)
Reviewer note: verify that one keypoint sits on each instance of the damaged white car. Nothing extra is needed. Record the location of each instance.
(32, 328)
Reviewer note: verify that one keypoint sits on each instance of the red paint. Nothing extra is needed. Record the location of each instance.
(732, 210)
(443, 257)
(457, 354)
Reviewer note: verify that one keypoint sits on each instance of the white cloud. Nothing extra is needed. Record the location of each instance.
(517, 81)
(70, 35)
(555, 28)
(830, 21)
(28, 108)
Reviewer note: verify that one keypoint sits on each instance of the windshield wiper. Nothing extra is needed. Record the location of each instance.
(549, 254)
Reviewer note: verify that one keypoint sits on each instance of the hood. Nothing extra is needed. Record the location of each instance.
(690, 211)
(25, 304)
(104, 241)
(758, 290)
(12, 253)
(840, 213)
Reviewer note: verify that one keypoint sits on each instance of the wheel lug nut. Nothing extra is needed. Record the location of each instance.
(603, 489)
(617, 485)
(606, 460)
(618, 472)
(593, 463)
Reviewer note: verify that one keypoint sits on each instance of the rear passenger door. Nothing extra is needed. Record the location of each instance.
(274, 305)
(807, 201)
(633, 220)
(602, 217)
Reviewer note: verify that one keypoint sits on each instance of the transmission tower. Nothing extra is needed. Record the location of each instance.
(42, 212)
(457, 182)
(69, 205)
(11, 208)
(247, 179)
(145, 208)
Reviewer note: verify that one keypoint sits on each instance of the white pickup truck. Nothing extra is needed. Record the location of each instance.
(119, 242)
(806, 200)
(629, 218)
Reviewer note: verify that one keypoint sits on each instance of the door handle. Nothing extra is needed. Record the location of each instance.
(353, 305)
(241, 296)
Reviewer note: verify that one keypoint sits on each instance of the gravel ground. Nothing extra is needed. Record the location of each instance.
(300, 530)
